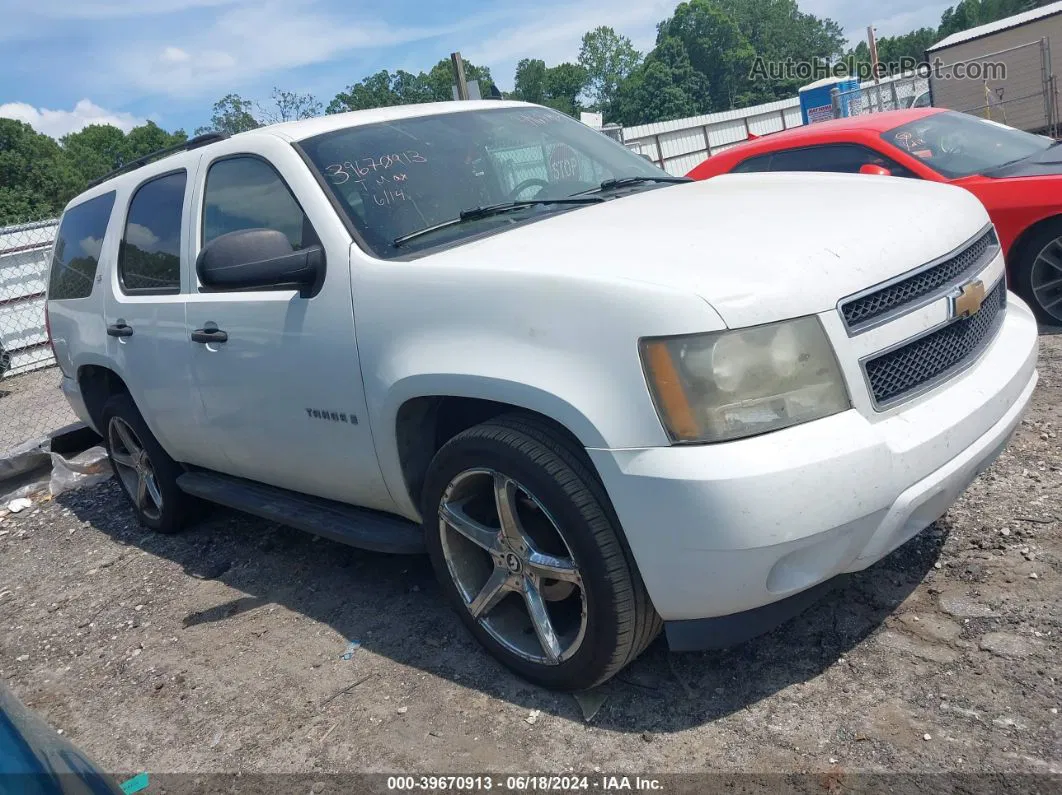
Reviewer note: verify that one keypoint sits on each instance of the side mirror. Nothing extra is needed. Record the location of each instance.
(874, 170)
(258, 258)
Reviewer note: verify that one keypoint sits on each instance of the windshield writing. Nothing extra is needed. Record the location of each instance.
(399, 177)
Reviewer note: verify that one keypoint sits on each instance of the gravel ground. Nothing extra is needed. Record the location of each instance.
(32, 406)
(219, 650)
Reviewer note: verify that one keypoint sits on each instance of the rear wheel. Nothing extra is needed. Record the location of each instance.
(1038, 278)
(147, 475)
(526, 546)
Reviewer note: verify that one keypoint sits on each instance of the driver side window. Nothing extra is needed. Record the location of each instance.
(835, 158)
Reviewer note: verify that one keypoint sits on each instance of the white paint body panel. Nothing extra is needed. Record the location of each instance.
(547, 317)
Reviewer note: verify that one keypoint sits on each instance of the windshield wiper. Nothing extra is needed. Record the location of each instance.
(623, 182)
(476, 213)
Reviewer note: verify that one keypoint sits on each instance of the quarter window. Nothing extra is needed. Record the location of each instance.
(150, 258)
(248, 193)
(752, 165)
(77, 248)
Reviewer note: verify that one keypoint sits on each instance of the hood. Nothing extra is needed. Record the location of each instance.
(1045, 163)
(757, 247)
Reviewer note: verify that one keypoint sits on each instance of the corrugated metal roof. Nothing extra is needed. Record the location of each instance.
(997, 26)
(660, 127)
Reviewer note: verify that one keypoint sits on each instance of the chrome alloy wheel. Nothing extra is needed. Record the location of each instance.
(510, 563)
(1046, 279)
(134, 468)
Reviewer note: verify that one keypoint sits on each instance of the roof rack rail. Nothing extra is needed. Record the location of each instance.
(191, 143)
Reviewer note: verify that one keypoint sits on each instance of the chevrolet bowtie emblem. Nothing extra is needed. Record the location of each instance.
(967, 301)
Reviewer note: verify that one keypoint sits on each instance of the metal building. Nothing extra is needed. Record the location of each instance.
(1003, 71)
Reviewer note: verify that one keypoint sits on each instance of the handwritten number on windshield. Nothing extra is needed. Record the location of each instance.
(340, 173)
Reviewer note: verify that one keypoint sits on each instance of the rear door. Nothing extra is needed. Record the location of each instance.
(145, 312)
(283, 394)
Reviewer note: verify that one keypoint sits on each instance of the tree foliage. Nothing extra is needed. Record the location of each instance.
(385, 89)
(608, 59)
(39, 175)
(556, 87)
(231, 114)
(290, 106)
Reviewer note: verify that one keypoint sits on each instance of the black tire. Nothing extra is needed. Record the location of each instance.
(621, 621)
(177, 507)
(1024, 259)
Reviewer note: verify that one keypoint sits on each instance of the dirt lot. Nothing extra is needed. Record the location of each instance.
(219, 650)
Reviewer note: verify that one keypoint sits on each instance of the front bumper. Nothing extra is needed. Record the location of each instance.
(718, 530)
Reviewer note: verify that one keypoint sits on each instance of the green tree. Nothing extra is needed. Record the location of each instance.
(95, 150)
(440, 79)
(148, 138)
(290, 106)
(529, 83)
(608, 59)
(725, 37)
(411, 88)
(564, 83)
(37, 178)
(231, 114)
(374, 91)
(665, 86)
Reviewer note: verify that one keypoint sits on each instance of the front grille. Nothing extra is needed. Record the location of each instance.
(927, 360)
(861, 312)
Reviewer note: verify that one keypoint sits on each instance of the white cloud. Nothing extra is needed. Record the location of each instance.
(58, 123)
(140, 235)
(91, 246)
(173, 55)
(248, 41)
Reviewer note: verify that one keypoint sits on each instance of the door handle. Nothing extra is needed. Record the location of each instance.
(119, 330)
(206, 335)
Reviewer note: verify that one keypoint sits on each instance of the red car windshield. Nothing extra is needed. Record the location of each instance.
(959, 145)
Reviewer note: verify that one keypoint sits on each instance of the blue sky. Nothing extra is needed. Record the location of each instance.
(67, 63)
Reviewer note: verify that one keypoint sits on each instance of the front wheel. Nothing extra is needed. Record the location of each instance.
(1038, 276)
(526, 546)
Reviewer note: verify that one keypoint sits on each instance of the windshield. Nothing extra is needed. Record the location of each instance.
(958, 145)
(399, 177)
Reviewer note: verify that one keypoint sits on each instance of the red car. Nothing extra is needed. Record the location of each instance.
(1016, 175)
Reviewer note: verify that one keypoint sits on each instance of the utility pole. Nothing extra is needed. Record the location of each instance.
(459, 75)
(873, 43)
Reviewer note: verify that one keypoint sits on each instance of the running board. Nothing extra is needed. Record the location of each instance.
(356, 527)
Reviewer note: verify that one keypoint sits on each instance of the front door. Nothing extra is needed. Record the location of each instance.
(282, 394)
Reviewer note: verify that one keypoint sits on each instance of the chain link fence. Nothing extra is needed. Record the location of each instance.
(31, 404)
(898, 93)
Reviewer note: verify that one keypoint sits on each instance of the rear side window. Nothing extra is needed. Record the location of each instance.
(150, 259)
(248, 193)
(77, 248)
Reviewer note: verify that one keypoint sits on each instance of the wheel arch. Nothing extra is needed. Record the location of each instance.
(424, 420)
(1017, 247)
(98, 384)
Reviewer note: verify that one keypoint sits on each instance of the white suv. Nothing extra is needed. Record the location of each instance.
(603, 403)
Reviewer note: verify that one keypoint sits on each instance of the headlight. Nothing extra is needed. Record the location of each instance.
(732, 384)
